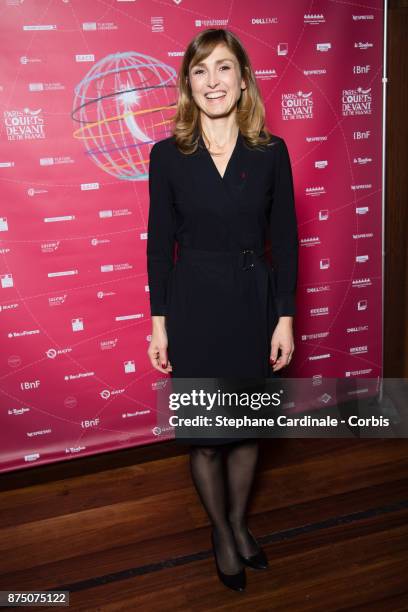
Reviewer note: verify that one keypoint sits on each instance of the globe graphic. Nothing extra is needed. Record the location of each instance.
(123, 105)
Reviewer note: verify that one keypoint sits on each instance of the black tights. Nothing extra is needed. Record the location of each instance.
(225, 499)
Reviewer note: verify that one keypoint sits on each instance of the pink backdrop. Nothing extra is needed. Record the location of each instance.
(86, 89)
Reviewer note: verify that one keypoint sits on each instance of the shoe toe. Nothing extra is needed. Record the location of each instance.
(257, 561)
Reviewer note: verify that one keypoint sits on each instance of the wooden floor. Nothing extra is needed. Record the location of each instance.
(125, 530)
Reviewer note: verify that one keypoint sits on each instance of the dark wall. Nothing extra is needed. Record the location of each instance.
(396, 215)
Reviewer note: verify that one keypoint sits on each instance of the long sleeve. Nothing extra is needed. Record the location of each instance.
(284, 234)
(161, 233)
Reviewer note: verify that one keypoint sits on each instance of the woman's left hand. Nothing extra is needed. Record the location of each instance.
(282, 339)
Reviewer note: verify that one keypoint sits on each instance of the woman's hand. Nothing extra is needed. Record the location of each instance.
(282, 339)
(157, 350)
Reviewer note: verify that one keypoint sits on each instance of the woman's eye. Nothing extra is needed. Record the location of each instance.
(199, 70)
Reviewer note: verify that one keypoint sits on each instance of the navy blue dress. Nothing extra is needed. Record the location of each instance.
(210, 271)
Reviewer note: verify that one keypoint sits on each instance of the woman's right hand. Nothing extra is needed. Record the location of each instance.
(157, 350)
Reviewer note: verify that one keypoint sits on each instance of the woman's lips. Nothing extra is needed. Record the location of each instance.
(213, 100)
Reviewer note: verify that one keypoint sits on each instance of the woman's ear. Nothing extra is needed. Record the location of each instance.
(243, 82)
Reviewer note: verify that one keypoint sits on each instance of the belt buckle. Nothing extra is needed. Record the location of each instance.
(251, 265)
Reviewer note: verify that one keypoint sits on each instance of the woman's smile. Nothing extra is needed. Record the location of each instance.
(215, 97)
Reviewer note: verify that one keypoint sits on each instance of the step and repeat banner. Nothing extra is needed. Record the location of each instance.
(86, 89)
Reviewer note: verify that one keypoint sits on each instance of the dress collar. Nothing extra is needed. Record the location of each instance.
(232, 163)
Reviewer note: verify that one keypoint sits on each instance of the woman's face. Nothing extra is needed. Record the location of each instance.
(216, 82)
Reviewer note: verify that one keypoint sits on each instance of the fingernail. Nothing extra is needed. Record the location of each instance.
(163, 365)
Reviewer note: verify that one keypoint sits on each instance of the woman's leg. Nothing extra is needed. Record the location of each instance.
(207, 473)
(241, 464)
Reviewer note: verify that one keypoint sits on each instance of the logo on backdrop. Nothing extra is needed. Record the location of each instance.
(356, 101)
(127, 92)
(297, 105)
(24, 124)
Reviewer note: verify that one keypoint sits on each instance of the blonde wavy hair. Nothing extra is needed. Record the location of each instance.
(250, 107)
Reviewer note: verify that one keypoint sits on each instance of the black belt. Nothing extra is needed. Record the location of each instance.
(248, 256)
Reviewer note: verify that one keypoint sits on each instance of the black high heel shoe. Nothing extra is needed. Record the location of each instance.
(257, 561)
(237, 582)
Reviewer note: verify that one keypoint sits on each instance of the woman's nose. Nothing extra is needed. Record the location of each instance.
(212, 80)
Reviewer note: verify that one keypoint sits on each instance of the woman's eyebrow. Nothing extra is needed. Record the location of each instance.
(226, 59)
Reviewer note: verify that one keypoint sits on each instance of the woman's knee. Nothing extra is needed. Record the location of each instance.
(205, 451)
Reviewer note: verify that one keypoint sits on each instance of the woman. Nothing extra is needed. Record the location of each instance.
(218, 186)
